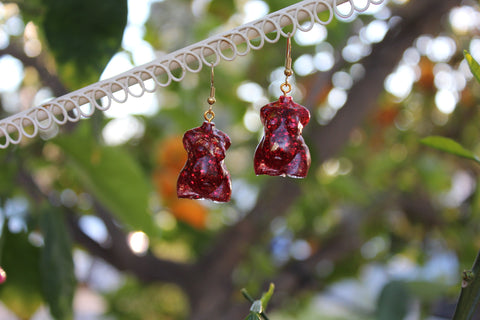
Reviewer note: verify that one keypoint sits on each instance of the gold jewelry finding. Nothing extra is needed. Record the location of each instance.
(286, 87)
(209, 115)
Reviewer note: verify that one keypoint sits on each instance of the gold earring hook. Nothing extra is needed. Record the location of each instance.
(287, 87)
(209, 115)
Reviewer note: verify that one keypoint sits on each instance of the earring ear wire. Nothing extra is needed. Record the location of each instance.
(286, 87)
(209, 115)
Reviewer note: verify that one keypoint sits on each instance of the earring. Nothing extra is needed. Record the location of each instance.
(204, 175)
(282, 150)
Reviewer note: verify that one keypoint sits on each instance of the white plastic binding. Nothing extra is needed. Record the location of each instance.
(28, 123)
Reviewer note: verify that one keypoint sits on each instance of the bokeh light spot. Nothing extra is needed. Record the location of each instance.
(120, 130)
(323, 61)
(254, 9)
(138, 242)
(317, 34)
(441, 49)
(446, 101)
(11, 73)
(463, 19)
(400, 82)
(337, 98)
(304, 65)
(250, 91)
(375, 31)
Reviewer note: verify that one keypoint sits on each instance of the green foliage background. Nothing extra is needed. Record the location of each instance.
(382, 169)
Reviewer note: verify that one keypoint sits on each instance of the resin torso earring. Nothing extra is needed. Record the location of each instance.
(204, 175)
(282, 150)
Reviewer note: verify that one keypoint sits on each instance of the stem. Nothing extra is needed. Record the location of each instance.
(470, 293)
(247, 296)
(251, 300)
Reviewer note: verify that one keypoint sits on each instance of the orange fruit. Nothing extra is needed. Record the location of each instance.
(190, 212)
(165, 182)
(171, 154)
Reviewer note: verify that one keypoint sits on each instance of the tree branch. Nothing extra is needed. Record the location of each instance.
(209, 282)
(147, 268)
(47, 77)
(419, 17)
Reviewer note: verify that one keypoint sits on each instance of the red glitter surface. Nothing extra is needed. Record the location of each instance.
(282, 150)
(204, 175)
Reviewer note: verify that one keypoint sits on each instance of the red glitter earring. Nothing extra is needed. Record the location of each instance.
(282, 150)
(204, 175)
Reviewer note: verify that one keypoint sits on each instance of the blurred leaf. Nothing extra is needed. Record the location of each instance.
(378, 171)
(57, 268)
(256, 307)
(433, 172)
(428, 291)
(21, 293)
(9, 161)
(112, 175)
(83, 35)
(337, 30)
(253, 316)
(450, 146)
(267, 296)
(276, 5)
(348, 186)
(32, 10)
(473, 64)
(2, 241)
(223, 8)
(393, 301)
(139, 301)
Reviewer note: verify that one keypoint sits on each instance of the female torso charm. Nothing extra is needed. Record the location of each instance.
(204, 175)
(282, 151)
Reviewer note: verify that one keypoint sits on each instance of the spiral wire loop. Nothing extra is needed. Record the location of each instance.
(192, 59)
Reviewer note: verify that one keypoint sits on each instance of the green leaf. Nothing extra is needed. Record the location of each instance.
(2, 240)
(9, 160)
(58, 277)
(83, 35)
(267, 296)
(32, 10)
(112, 175)
(450, 146)
(393, 301)
(253, 316)
(473, 64)
(428, 291)
(223, 8)
(256, 307)
(21, 293)
(138, 301)
(276, 5)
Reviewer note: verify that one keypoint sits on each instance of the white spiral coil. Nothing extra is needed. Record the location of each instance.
(28, 123)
